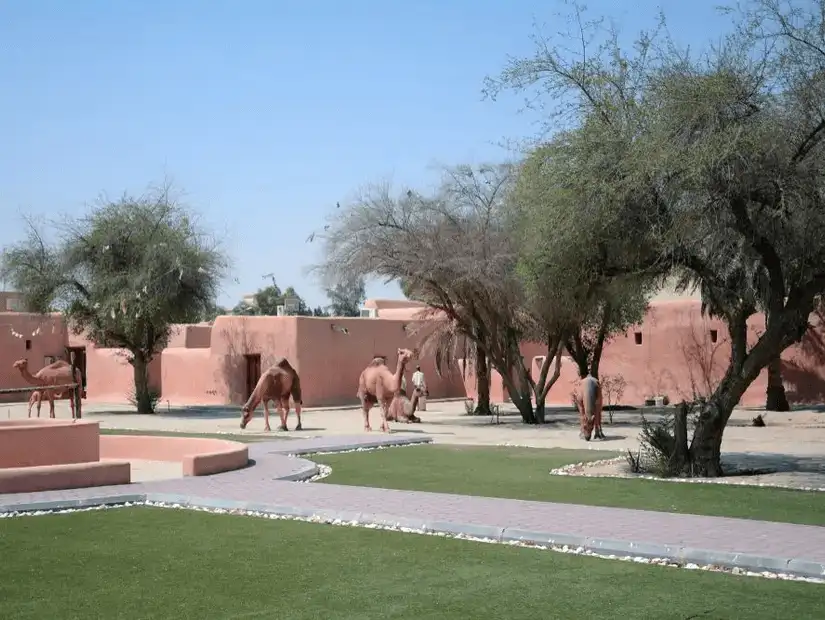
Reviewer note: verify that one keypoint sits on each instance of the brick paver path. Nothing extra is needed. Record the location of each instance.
(756, 545)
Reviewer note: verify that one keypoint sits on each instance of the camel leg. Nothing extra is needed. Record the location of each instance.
(31, 402)
(266, 415)
(597, 425)
(365, 410)
(39, 403)
(299, 426)
(385, 408)
(283, 413)
(50, 396)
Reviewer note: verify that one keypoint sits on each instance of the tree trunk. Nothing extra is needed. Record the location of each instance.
(143, 394)
(706, 444)
(482, 384)
(521, 399)
(680, 458)
(776, 400)
(542, 386)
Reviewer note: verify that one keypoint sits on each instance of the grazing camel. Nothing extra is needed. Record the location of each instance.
(589, 404)
(378, 386)
(56, 373)
(277, 384)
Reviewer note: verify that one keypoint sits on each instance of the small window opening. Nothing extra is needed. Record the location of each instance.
(714, 336)
(28, 344)
(638, 337)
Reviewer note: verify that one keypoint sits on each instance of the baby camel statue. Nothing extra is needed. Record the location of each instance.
(589, 403)
(277, 383)
(56, 373)
(378, 386)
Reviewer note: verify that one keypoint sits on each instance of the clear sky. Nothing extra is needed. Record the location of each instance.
(265, 112)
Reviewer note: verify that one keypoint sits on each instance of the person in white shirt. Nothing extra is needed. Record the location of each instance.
(420, 390)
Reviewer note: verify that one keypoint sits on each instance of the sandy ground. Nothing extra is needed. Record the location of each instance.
(791, 441)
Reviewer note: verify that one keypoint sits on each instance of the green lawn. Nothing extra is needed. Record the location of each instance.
(228, 437)
(522, 473)
(145, 563)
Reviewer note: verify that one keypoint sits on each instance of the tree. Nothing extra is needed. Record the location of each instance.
(267, 300)
(123, 275)
(346, 296)
(559, 252)
(713, 167)
(455, 253)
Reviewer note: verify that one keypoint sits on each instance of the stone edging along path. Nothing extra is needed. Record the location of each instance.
(268, 489)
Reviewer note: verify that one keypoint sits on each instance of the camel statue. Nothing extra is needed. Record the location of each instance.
(277, 384)
(589, 404)
(56, 373)
(378, 386)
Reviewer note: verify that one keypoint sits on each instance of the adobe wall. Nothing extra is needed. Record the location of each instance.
(27, 336)
(205, 364)
(330, 360)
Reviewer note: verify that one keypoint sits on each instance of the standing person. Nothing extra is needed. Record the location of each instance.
(420, 390)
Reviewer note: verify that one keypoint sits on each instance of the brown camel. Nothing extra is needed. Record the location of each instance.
(378, 386)
(277, 384)
(56, 373)
(588, 401)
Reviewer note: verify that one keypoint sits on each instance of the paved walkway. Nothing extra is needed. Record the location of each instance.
(266, 487)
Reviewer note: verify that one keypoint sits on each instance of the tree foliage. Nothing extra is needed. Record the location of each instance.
(346, 296)
(453, 250)
(708, 166)
(123, 275)
(563, 256)
(266, 300)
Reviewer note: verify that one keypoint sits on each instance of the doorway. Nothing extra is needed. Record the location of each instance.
(253, 372)
(79, 355)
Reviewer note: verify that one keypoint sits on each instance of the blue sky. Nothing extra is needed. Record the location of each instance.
(265, 113)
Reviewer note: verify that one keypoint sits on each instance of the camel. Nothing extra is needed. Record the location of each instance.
(589, 404)
(35, 399)
(56, 373)
(378, 386)
(277, 384)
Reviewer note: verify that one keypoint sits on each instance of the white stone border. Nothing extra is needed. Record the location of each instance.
(578, 470)
(664, 562)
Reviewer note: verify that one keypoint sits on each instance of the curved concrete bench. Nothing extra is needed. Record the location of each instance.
(199, 456)
(66, 476)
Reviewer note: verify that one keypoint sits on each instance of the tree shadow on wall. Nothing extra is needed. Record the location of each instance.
(705, 361)
(801, 376)
(239, 341)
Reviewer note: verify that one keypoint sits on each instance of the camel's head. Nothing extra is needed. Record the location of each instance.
(246, 416)
(21, 364)
(405, 354)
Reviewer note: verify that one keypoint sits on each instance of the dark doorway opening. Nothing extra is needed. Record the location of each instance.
(253, 372)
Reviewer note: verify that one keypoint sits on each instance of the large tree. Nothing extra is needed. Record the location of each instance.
(713, 167)
(123, 275)
(454, 250)
(560, 251)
